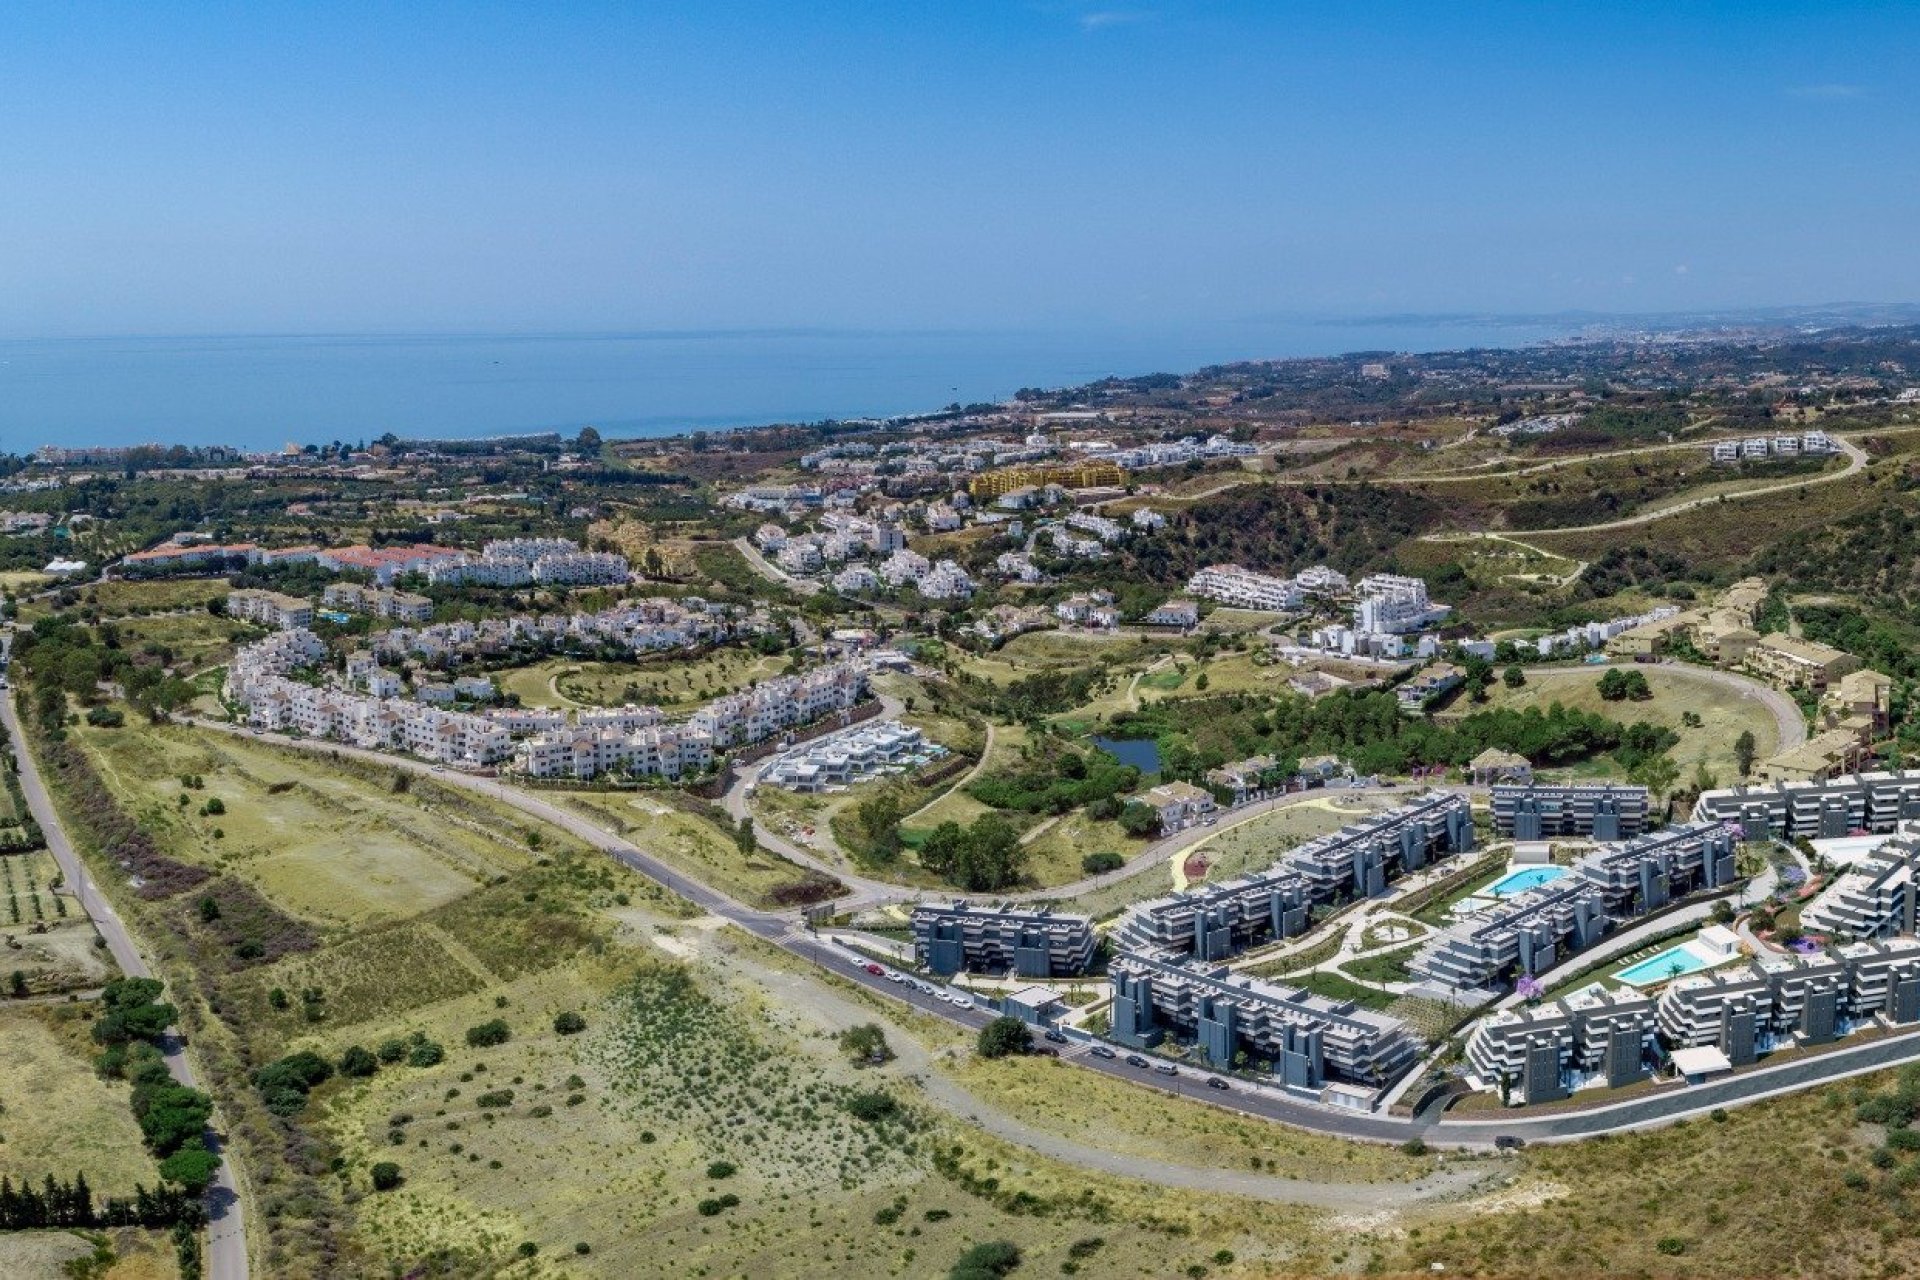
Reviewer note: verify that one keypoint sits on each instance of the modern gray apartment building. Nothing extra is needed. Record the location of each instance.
(1217, 921)
(1779, 1000)
(951, 937)
(1588, 811)
(1310, 1039)
(1533, 931)
(1877, 897)
(1816, 810)
(1543, 1053)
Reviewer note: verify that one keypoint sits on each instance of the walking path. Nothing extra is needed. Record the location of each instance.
(226, 1219)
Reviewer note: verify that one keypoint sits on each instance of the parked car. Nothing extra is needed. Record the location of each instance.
(1101, 1051)
(1507, 1142)
(1135, 1060)
(1054, 1035)
(1215, 1082)
(876, 971)
(1166, 1069)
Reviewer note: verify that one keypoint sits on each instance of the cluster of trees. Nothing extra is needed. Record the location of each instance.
(980, 858)
(1621, 684)
(1366, 728)
(57, 653)
(172, 1117)
(57, 1204)
(866, 1044)
(1056, 778)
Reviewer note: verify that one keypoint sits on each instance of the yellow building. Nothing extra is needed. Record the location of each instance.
(989, 485)
(1792, 663)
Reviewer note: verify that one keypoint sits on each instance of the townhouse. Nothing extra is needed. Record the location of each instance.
(1876, 802)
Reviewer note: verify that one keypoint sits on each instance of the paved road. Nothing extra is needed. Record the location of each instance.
(226, 1219)
(784, 930)
(771, 571)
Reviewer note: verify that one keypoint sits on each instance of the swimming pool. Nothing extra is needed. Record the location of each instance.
(1671, 963)
(1521, 881)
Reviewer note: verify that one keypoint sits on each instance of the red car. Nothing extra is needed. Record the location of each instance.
(876, 971)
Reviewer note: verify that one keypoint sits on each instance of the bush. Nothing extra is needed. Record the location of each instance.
(987, 1261)
(494, 1099)
(720, 1169)
(425, 1054)
(1099, 863)
(1004, 1036)
(1672, 1246)
(392, 1051)
(488, 1034)
(358, 1062)
(386, 1176)
(719, 1204)
(569, 1023)
(871, 1106)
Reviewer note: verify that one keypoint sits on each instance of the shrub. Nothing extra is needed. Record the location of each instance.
(583, 1248)
(1100, 863)
(569, 1023)
(392, 1051)
(1004, 1036)
(494, 1099)
(527, 1249)
(386, 1176)
(720, 1169)
(1413, 1147)
(1672, 1246)
(425, 1054)
(870, 1106)
(987, 1261)
(717, 1205)
(488, 1034)
(358, 1062)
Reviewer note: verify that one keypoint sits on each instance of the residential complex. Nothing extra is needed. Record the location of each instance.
(1538, 927)
(849, 757)
(1309, 1040)
(1541, 1053)
(962, 936)
(1816, 810)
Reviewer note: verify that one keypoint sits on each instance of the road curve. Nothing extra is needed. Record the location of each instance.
(226, 1219)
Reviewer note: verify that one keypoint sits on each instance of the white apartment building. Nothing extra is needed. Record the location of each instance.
(1244, 589)
(271, 609)
(1394, 605)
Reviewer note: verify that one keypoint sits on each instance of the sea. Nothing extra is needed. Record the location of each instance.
(259, 393)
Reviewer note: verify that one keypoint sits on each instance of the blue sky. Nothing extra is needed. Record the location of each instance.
(579, 166)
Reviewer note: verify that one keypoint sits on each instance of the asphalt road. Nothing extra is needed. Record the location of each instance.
(226, 1257)
(784, 930)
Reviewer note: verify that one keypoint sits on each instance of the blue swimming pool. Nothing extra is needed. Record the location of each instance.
(1671, 963)
(1522, 880)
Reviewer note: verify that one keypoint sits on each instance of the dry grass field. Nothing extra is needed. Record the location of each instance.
(56, 1115)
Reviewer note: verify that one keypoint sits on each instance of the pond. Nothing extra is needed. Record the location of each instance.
(1142, 753)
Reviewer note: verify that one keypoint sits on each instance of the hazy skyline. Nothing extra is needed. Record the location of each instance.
(191, 169)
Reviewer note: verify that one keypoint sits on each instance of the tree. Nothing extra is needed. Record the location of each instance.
(1138, 819)
(1513, 677)
(1744, 751)
(879, 816)
(191, 1167)
(1656, 773)
(743, 838)
(992, 857)
(1005, 1036)
(569, 1023)
(866, 1044)
(385, 1175)
(943, 848)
